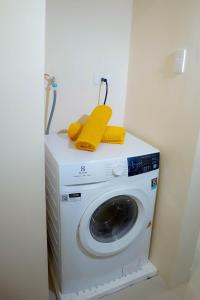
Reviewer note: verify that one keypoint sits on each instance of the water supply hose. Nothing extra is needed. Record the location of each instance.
(51, 83)
(48, 90)
(52, 111)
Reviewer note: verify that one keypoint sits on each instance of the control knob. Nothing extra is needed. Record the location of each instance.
(118, 170)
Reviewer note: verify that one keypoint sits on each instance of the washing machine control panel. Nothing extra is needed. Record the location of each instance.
(143, 164)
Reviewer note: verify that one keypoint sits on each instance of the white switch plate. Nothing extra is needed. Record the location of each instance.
(97, 78)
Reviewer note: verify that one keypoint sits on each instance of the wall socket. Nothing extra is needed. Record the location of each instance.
(97, 78)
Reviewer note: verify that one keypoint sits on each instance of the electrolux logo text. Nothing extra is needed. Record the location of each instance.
(83, 168)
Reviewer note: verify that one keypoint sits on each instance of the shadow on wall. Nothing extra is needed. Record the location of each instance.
(168, 66)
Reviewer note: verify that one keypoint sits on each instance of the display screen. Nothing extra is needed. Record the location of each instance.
(143, 164)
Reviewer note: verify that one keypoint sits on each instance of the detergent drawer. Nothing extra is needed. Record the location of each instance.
(85, 173)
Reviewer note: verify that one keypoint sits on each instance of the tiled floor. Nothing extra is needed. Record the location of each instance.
(155, 289)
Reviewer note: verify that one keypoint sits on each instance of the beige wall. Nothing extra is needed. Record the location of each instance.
(164, 109)
(190, 228)
(23, 257)
(83, 38)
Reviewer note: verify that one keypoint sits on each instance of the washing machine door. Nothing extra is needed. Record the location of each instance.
(112, 222)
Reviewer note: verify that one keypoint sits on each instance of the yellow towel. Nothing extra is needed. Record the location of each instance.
(93, 130)
(112, 134)
(74, 130)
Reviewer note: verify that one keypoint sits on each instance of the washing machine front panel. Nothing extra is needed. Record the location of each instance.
(113, 221)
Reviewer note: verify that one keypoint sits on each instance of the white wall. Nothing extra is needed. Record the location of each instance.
(82, 38)
(23, 257)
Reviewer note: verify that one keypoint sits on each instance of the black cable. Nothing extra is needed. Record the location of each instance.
(106, 95)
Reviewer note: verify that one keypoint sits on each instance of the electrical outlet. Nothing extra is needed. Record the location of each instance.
(97, 78)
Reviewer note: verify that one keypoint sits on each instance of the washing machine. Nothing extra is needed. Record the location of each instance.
(100, 208)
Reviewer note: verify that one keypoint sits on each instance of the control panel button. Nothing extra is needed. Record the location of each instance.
(118, 170)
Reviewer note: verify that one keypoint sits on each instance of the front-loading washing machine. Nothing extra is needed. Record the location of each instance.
(100, 208)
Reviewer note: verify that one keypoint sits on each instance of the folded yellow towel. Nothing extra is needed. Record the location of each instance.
(74, 130)
(112, 134)
(93, 130)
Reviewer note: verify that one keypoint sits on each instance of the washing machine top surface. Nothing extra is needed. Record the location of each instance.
(64, 151)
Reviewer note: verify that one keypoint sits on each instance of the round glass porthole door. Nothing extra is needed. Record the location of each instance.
(113, 219)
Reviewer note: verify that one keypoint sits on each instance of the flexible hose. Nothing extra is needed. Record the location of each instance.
(52, 111)
(48, 90)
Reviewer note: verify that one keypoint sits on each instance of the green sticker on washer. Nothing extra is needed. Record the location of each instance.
(154, 183)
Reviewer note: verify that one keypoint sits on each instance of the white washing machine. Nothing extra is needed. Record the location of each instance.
(100, 208)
